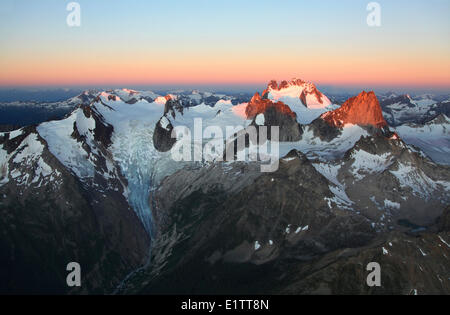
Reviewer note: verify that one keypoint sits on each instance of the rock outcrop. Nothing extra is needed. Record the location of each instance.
(364, 110)
(258, 105)
(162, 136)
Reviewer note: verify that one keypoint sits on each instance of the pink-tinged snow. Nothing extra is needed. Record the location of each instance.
(125, 94)
(105, 96)
(291, 96)
(160, 100)
(305, 115)
(313, 103)
(128, 94)
(129, 90)
(239, 110)
(221, 103)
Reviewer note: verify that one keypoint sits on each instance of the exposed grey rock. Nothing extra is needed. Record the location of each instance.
(49, 222)
(289, 129)
(324, 131)
(162, 137)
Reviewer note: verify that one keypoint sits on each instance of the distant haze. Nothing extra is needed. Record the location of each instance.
(56, 94)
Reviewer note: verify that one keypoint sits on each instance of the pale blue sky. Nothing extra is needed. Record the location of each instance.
(115, 29)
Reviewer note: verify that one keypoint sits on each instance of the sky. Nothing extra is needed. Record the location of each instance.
(225, 42)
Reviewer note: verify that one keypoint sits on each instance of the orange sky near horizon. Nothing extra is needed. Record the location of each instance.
(224, 42)
(322, 68)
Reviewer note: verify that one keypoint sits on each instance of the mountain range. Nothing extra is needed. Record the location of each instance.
(360, 181)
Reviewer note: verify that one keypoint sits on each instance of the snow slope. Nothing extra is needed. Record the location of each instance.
(291, 92)
(433, 138)
(132, 142)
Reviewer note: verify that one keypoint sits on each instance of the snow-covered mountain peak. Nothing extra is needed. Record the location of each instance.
(257, 105)
(296, 92)
(105, 96)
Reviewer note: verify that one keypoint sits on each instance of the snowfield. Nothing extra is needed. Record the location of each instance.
(290, 95)
(132, 142)
(67, 150)
(433, 138)
(366, 163)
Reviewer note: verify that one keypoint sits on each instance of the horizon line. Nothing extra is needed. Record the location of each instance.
(218, 85)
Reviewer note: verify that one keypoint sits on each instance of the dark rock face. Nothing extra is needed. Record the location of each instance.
(289, 128)
(102, 132)
(11, 144)
(162, 137)
(275, 233)
(404, 270)
(8, 127)
(441, 108)
(132, 101)
(173, 107)
(87, 97)
(419, 202)
(211, 100)
(229, 230)
(324, 131)
(222, 226)
(351, 231)
(49, 223)
(113, 98)
(275, 115)
(443, 222)
(376, 144)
